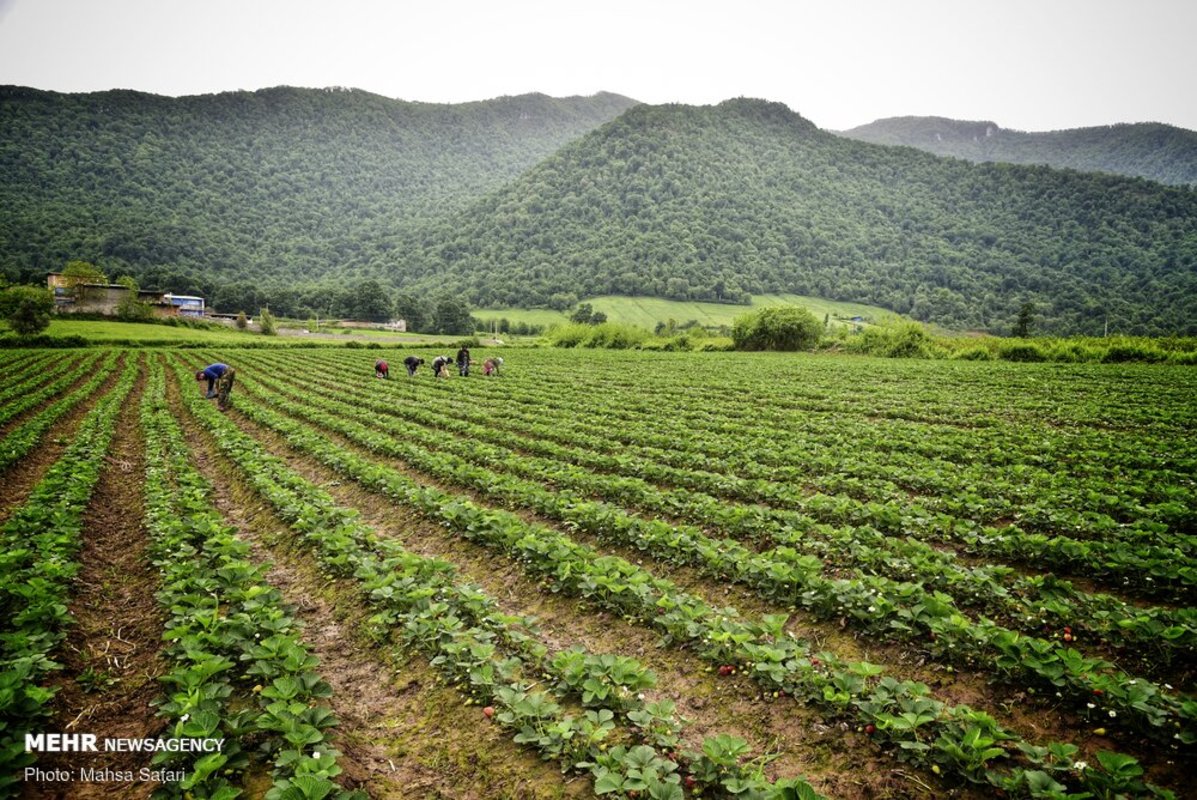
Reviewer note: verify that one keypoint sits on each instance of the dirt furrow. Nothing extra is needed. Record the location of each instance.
(111, 657)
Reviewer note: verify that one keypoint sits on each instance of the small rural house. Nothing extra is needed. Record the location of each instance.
(103, 298)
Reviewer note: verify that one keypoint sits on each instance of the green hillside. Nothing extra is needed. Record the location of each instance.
(242, 196)
(342, 203)
(718, 203)
(1150, 150)
(646, 312)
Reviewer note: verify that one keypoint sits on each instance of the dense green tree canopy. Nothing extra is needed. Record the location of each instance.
(285, 193)
(295, 199)
(713, 203)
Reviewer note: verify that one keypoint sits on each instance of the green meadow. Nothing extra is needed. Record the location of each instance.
(646, 312)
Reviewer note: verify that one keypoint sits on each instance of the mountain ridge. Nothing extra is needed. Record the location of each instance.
(1151, 150)
(297, 198)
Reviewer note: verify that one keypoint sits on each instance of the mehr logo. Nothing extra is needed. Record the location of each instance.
(60, 743)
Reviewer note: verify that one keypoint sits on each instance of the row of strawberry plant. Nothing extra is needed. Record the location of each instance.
(28, 399)
(22, 439)
(1151, 635)
(23, 377)
(711, 415)
(960, 441)
(1037, 496)
(38, 545)
(30, 392)
(1154, 570)
(830, 441)
(896, 609)
(18, 360)
(886, 482)
(228, 630)
(898, 714)
(493, 656)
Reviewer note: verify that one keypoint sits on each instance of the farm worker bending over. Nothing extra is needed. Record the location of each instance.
(463, 361)
(411, 362)
(220, 382)
(491, 366)
(382, 369)
(440, 366)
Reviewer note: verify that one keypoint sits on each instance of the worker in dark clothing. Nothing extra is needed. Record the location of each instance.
(412, 362)
(463, 361)
(220, 383)
(440, 366)
(382, 369)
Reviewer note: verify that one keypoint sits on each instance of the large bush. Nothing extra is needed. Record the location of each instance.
(611, 335)
(777, 328)
(903, 340)
(27, 308)
(1020, 351)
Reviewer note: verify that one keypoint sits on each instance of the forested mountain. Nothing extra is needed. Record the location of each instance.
(278, 187)
(1150, 150)
(746, 197)
(313, 200)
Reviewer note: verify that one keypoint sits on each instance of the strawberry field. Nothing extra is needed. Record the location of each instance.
(607, 573)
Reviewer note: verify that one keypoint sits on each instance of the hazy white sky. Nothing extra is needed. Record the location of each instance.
(1027, 64)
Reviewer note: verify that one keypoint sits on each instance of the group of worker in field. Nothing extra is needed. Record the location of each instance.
(220, 376)
(440, 365)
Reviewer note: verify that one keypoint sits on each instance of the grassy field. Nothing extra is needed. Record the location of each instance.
(107, 331)
(646, 312)
(149, 334)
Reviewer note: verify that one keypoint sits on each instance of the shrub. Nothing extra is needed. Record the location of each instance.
(27, 308)
(973, 354)
(615, 336)
(267, 324)
(785, 328)
(1020, 351)
(716, 344)
(1075, 352)
(42, 340)
(1122, 352)
(1187, 357)
(568, 335)
(908, 340)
